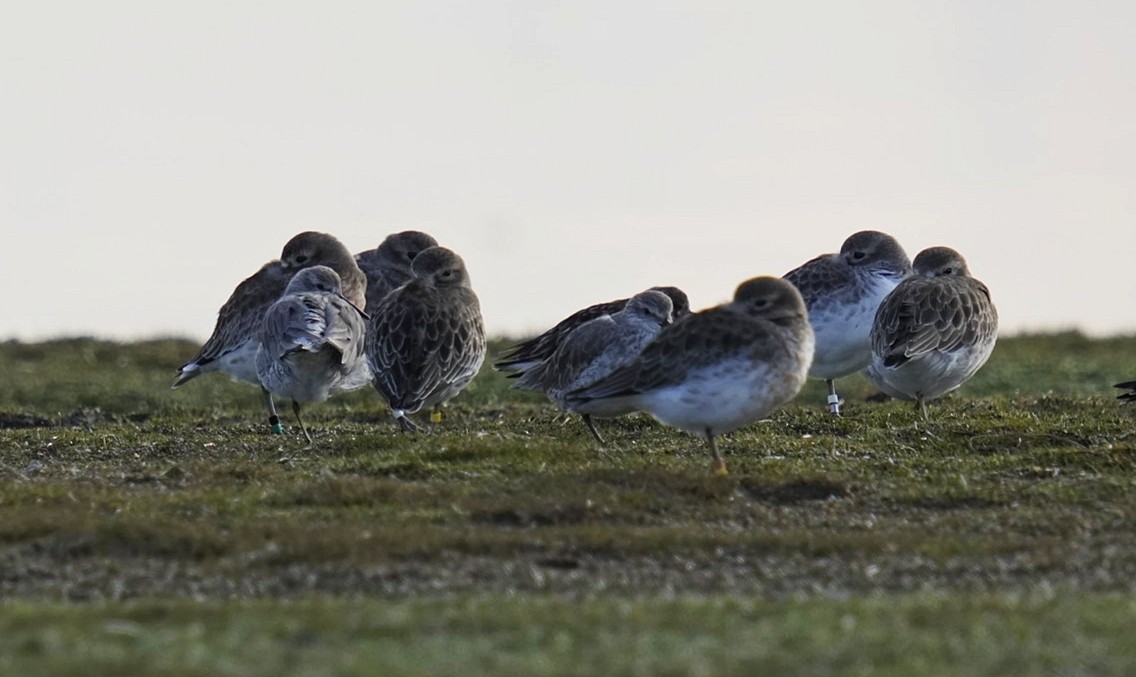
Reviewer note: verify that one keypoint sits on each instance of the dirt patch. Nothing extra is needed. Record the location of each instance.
(12, 421)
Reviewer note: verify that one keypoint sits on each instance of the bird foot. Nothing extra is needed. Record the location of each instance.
(720, 467)
(407, 425)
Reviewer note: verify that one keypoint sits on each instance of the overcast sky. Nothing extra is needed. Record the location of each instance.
(152, 155)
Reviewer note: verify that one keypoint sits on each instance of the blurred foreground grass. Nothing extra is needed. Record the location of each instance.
(145, 529)
(1062, 634)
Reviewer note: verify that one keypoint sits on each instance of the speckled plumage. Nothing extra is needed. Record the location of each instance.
(598, 347)
(528, 354)
(426, 339)
(311, 342)
(388, 266)
(842, 292)
(232, 346)
(933, 332)
(718, 369)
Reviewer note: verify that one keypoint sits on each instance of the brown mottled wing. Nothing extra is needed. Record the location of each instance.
(819, 277)
(240, 318)
(924, 315)
(698, 341)
(463, 341)
(578, 349)
(422, 340)
(542, 347)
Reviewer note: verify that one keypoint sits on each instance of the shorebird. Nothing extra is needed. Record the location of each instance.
(598, 347)
(718, 369)
(387, 266)
(842, 292)
(528, 354)
(311, 342)
(934, 331)
(232, 346)
(426, 339)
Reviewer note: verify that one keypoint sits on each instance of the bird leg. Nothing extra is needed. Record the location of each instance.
(719, 462)
(588, 422)
(296, 408)
(834, 400)
(404, 422)
(273, 420)
(922, 404)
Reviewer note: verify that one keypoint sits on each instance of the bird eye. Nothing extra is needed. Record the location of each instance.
(948, 271)
(301, 258)
(411, 255)
(859, 255)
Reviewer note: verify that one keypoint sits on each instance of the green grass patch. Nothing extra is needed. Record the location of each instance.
(1040, 633)
(144, 529)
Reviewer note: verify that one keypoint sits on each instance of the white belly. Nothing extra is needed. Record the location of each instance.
(724, 397)
(843, 332)
(313, 377)
(929, 376)
(240, 364)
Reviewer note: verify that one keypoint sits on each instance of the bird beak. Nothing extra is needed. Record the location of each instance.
(357, 308)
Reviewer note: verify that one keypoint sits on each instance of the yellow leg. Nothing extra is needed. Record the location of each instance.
(719, 462)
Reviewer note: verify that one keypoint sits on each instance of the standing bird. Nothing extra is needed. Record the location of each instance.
(934, 331)
(232, 347)
(387, 266)
(718, 369)
(311, 342)
(525, 356)
(426, 339)
(597, 348)
(842, 292)
(1129, 396)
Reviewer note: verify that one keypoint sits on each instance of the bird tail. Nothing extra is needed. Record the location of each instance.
(187, 372)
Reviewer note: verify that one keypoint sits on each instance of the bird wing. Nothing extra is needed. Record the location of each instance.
(240, 318)
(819, 276)
(925, 315)
(295, 322)
(541, 347)
(463, 340)
(417, 344)
(698, 341)
(345, 328)
(578, 350)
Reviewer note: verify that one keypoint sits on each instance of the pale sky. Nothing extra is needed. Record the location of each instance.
(153, 154)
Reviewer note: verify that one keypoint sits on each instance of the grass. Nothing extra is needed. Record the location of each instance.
(144, 529)
(1059, 633)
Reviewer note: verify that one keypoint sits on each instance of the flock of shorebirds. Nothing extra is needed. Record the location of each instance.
(404, 318)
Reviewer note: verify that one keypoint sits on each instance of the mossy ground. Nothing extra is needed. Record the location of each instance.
(139, 525)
